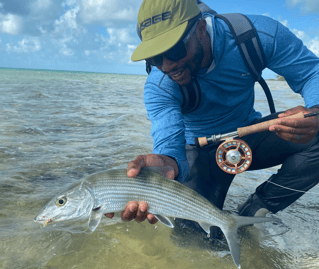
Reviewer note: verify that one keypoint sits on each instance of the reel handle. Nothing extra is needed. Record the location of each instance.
(264, 126)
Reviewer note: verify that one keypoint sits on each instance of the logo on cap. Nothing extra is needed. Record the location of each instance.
(155, 19)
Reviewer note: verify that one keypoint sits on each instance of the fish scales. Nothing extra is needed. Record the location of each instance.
(166, 189)
(148, 191)
(141, 189)
(145, 193)
(110, 191)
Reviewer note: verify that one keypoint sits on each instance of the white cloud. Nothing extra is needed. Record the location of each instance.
(284, 22)
(41, 5)
(311, 43)
(69, 3)
(66, 22)
(66, 51)
(66, 30)
(110, 13)
(10, 24)
(26, 45)
(130, 50)
(314, 46)
(117, 47)
(120, 35)
(301, 34)
(308, 6)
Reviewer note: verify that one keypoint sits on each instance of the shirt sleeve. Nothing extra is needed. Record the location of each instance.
(163, 104)
(297, 64)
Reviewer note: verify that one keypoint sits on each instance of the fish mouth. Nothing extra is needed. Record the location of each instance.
(47, 222)
(43, 220)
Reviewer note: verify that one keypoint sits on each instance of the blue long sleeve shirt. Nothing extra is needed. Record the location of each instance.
(227, 89)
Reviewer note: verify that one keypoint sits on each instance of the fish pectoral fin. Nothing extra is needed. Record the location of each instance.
(95, 219)
(165, 220)
(205, 226)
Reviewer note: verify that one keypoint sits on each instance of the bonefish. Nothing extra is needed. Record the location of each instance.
(111, 191)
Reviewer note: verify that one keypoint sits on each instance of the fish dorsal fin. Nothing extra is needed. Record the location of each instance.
(205, 226)
(165, 220)
(95, 219)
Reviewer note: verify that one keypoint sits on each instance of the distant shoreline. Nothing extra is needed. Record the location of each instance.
(64, 71)
(279, 78)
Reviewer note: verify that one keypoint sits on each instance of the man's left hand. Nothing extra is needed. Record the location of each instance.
(296, 130)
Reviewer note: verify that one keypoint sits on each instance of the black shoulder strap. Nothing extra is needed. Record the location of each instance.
(247, 40)
(191, 96)
(250, 47)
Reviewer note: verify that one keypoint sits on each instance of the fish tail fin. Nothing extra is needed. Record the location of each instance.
(232, 240)
(230, 232)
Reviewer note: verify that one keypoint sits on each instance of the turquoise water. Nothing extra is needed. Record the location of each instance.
(58, 127)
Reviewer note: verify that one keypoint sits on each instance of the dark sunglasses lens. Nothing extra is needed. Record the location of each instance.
(155, 61)
(177, 52)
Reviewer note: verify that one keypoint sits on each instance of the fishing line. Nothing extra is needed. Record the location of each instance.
(292, 189)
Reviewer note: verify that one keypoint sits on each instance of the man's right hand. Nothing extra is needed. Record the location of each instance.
(167, 167)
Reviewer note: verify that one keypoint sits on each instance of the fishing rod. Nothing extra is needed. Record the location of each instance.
(234, 156)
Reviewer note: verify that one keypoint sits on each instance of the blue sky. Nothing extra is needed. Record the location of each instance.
(100, 36)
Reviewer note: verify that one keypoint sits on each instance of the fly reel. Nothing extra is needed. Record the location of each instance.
(234, 156)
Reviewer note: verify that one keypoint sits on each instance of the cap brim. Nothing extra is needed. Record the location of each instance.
(159, 44)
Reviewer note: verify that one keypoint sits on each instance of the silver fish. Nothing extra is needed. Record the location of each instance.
(111, 191)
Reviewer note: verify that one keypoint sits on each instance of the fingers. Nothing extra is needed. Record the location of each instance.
(292, 127)
(290, 136)
(134, 167)
(137, 211)
(152, 219)
(296, 126)
(296, 130)
(298, 123)
(109, 215)
(169, 173)
(292, 111)
(167, 166)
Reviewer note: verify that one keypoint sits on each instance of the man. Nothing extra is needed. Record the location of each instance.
(181, 45)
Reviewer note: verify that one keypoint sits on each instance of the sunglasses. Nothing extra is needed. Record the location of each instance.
(176, 53)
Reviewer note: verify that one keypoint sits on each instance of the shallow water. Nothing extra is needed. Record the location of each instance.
(58, 127)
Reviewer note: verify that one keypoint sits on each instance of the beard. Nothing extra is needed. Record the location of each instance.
(195, 65)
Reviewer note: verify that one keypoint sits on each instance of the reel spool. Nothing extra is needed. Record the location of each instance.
(234, 156)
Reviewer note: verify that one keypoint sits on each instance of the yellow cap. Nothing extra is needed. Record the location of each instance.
(162, 23)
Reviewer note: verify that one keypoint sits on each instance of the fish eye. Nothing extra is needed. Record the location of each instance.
(61, 201)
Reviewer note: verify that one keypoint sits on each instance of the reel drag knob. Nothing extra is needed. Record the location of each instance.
(234, 156)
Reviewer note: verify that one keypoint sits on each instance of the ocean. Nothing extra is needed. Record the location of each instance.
(58, 127)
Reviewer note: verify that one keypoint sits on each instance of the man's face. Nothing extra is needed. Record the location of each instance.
(183, 70)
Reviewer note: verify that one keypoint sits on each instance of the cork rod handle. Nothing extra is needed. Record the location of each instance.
(201, 142)
(264, 126)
